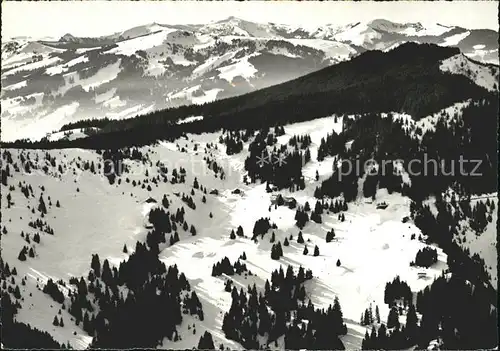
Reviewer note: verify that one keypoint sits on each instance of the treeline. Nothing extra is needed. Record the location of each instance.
(86, 123)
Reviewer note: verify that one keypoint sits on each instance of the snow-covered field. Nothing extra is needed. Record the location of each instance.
(373, 245)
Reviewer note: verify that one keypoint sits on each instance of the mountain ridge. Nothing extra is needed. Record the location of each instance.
(160, 66)
(364, 84)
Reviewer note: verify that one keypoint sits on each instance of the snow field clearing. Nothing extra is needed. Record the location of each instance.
(372, 245)
(241, 68)
(45, 62)
(130, 46)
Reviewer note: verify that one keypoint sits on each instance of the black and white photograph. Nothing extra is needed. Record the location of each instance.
(249, 175)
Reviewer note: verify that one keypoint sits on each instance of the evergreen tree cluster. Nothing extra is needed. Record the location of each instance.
(459, 313)
(188, 200)
(459, 308)
(280, 311)
(215, 167)
(113, 164)
(368, 318)
(301, 218)
(441, 230)
(26, 252)
(385, 141)
(385, 339)
(281, 167)
(330, 235)
(240, 233)
(332, 145)
(53, 291)
(279, 131)
(164, 223)
(41, 225)
(302, 141)
(481, 215)
(206, 342)
(234, 140)
(394, 336)
(262, 226)
(276, 251)
(425, 257)
(225, 267)
(396, 290)
(141, 315)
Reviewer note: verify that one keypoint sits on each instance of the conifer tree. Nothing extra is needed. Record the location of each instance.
(22, 254)
(411, 323)
(96, 265)
(393, 319)
(239, 231)
(300, 239)
(330, 235)
(316, 250)
(206, 342)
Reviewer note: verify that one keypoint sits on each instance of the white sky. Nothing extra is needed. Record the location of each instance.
(94, 18)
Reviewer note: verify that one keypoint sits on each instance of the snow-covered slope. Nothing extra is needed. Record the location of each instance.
(482, 75)
(373, 245)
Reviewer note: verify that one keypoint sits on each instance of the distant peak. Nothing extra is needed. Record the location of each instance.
(379, 21)
(442, 25)
(231, 19)
(67, 37)
(386, 25)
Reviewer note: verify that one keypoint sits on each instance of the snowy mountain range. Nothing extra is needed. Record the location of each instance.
(48, 83)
